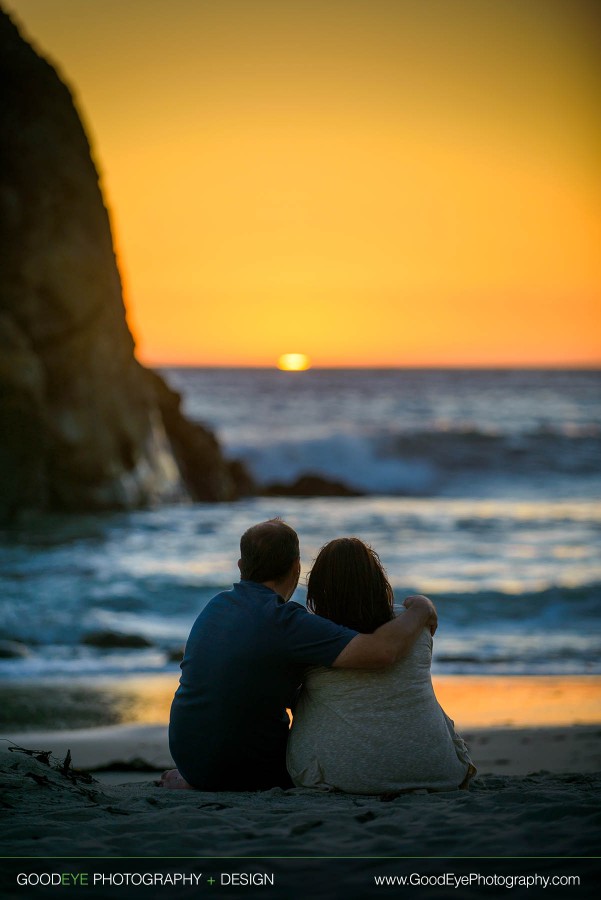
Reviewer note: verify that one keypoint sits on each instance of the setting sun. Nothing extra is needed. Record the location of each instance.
(294, 362)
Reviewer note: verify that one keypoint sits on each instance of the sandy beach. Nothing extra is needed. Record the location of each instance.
(533, 806)
(114, 752)
(552, 812)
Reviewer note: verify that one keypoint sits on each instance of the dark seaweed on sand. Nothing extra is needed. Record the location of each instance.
(65, 768)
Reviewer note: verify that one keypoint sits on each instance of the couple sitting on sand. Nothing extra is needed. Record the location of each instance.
(356, 677)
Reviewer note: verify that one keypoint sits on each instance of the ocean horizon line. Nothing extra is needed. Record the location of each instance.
(534, 367)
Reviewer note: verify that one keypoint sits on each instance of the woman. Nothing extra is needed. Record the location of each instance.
(370, 732)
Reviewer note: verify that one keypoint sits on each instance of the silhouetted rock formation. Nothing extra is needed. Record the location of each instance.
(191, 442)
(82, 424)
(13, 650)
(310, 486)
(110, 640)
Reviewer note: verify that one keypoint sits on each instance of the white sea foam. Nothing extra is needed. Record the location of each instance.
(353, 459)
(482, 490)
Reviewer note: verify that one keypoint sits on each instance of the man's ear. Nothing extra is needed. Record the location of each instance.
(240, 565)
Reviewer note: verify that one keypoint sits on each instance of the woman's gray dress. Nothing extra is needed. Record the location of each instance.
(369, 732)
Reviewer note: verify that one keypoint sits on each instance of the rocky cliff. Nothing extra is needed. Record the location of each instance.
(82, 425)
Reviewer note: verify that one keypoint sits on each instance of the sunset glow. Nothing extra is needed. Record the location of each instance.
(385, 184)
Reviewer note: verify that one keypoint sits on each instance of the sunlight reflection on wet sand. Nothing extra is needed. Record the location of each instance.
(472, 701)
(520, 701)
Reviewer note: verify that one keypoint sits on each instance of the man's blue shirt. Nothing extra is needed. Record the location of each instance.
(243, 664)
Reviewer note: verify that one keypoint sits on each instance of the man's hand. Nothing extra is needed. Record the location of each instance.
(418, 602)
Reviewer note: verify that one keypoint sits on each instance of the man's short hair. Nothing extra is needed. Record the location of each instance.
(268, 551)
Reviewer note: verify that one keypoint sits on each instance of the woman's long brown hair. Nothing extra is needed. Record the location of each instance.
(348, 585)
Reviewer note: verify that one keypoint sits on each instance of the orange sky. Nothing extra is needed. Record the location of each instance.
(370, 182)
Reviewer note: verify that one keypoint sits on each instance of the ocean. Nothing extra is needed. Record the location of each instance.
(480, 488)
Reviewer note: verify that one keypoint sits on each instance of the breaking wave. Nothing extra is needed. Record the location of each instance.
(425, 462)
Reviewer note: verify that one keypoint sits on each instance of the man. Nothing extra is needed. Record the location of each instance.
(244, 663)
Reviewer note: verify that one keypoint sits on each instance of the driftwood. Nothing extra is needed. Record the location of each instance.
(65, 767)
